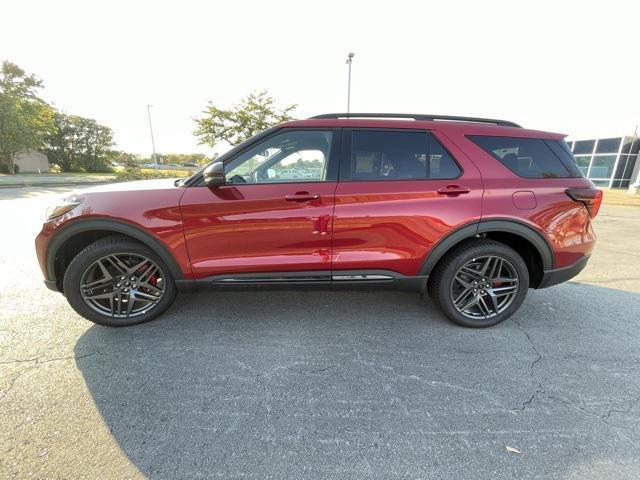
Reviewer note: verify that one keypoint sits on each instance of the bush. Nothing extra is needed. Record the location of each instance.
(4, 168)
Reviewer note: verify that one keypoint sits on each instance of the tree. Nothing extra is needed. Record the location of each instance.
(253, 114)
(182, 158)
(24, 117)
(79, 144)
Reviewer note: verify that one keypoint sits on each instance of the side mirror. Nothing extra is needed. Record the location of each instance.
(214, 174)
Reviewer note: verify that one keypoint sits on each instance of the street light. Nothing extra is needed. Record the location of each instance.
(153, 143)
(349, 60)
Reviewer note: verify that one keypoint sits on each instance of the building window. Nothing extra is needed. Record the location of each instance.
(583, 162)
(602, 166)
(583, 146)
(608, 145)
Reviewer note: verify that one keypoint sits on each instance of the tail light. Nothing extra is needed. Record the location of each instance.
(590, 197)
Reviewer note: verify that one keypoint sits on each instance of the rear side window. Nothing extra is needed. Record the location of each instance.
(529, 157)
(394, 155)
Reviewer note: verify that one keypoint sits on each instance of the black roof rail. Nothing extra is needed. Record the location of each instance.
(427, 117)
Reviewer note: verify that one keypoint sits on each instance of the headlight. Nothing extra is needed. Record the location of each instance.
(62, 207)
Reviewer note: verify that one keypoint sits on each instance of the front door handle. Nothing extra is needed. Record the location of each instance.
(301, 197)
(453, 190)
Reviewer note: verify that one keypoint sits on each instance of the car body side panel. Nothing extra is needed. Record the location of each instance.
(253, 228)
(394, 224)
(541, 203)
(149, 206)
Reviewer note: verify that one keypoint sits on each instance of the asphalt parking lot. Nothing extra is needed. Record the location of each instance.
(321, 385)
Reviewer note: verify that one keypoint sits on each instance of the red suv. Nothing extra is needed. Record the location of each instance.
(475, 211)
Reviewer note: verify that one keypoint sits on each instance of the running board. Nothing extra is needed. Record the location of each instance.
(327, 280)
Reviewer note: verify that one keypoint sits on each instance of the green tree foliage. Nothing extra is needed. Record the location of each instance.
(182, 158)
(25, 119)
(79, 144)
(253, 114)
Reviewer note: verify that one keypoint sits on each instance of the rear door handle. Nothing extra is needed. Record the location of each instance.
(301, 197)
(453, 190)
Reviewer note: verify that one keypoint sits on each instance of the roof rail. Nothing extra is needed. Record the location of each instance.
(447, 118)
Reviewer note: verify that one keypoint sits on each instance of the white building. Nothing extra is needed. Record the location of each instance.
(30, 161)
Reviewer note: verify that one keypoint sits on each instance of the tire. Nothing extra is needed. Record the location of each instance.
(495, 299)
(151, 296)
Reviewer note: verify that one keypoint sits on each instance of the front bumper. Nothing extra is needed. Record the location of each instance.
(51, 285)
(559, 275)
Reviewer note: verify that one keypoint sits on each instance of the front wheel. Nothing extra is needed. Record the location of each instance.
(480, 284)
(117, 282)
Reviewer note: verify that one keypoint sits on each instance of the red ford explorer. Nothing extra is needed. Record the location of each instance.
(474, 211)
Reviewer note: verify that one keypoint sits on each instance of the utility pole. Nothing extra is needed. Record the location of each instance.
(153, 143)
(349, 61)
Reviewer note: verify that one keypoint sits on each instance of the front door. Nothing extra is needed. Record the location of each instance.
(274, 213)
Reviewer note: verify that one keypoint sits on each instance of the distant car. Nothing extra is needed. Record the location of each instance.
(473, 211)
(191, 165)
(149, 165)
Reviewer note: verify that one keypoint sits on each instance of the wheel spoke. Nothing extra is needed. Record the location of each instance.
(96, 283)
(103, 269)
(130, 301)
(470, 303)
(137, 267)
(99, 296)
(118, 264)
(150, 287)
(145, 296)
(465, 293)
(148, 273)
(482, 306)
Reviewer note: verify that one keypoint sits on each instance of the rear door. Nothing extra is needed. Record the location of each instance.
(400, 192)
(273, 214)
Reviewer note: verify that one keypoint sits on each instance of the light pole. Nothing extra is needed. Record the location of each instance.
(349, 61)
(153, 143)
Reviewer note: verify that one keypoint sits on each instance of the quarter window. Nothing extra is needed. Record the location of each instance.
(394, 155)
(526, 157)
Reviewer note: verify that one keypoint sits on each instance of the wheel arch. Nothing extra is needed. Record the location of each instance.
(525, 239)
(78, 235)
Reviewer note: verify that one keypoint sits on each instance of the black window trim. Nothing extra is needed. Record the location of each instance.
(345, 155)
(544, 140)
(333, 163)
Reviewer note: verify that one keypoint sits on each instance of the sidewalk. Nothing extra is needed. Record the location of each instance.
(620, 197)
(55, 179)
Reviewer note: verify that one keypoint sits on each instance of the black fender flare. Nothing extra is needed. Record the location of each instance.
(114, 226)
(470, 230)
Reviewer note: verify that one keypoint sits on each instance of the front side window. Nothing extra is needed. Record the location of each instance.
(395, 155)
(527, 157)
(290, 156)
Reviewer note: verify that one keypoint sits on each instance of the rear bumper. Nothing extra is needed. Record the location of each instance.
(559, 275)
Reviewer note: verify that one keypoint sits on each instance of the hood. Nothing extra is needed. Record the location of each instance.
(138, 185)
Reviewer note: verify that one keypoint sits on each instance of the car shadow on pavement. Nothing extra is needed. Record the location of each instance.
(353, 385)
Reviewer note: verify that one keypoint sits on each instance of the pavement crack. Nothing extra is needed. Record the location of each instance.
(320, 370)
(12, 383)
(39, 360)
(611, 411)
(532, 366)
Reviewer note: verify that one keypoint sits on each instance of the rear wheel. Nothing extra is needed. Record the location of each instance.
(117, 281)
(480, 284)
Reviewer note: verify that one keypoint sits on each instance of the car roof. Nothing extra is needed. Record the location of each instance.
(454, 127)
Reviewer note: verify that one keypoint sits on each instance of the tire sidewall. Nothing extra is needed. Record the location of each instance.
(86, 257)
(443, 289)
